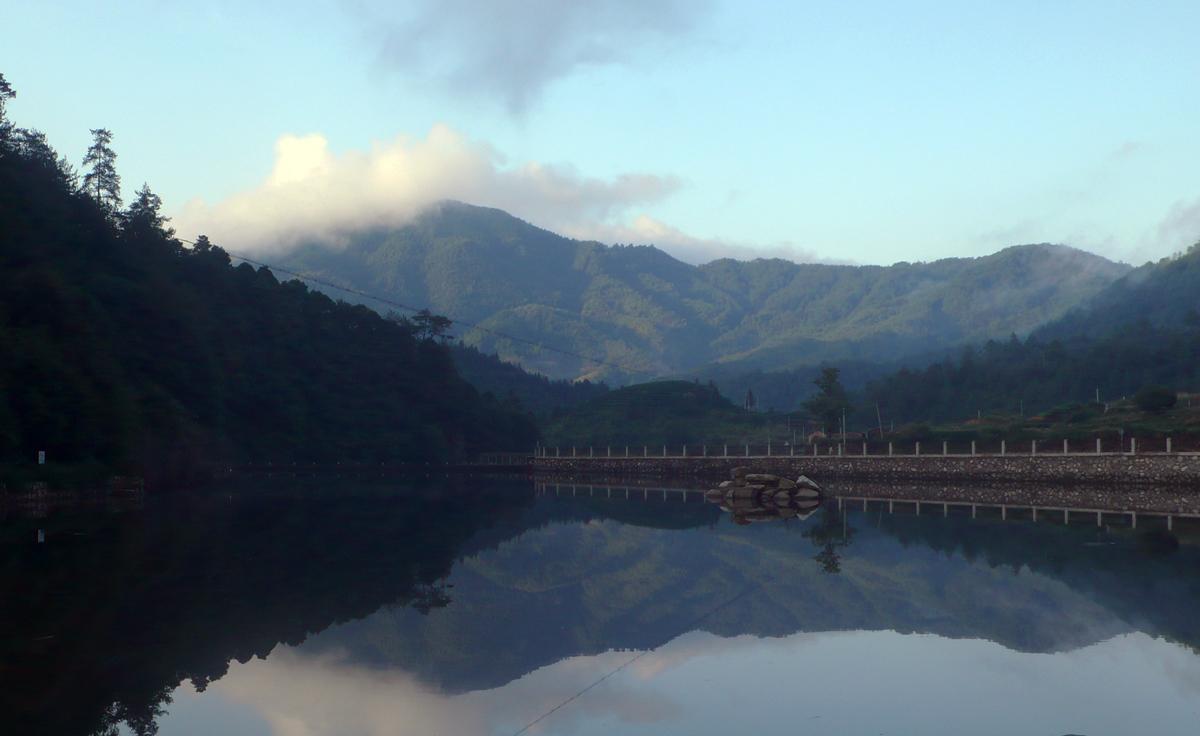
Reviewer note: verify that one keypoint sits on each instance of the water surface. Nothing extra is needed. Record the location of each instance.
(484, 607)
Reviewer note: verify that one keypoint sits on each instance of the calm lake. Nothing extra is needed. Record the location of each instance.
(494, 607)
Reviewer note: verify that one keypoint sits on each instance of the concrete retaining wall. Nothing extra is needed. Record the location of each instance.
(1178, 470)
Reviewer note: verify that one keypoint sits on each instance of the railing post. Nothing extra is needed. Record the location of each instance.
(685, 450)
(768, 448)
(972, 448)
(1066, 446)
(610, 450)
(591, 451)
(814, 449)
(725, 450)
(792, 450)
(917, 450)
(645, 451)
(664, 450)
(864, 448)
(704, 450)
(889, 449)
(1003, 447)
(626, 450)
(747, 449)
(573, 452)
(1133, 445)
(1033, 448)
(1168, 445)
(944, 448)
(1097, 445)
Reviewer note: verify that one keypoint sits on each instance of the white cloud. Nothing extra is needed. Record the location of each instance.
(512, 49)
(315, 194)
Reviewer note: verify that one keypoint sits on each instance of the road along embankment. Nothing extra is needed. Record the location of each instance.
(1149, 469)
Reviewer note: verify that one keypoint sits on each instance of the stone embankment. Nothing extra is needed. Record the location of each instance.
(1156, 469)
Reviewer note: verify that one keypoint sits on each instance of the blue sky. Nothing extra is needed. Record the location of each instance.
(869, 133)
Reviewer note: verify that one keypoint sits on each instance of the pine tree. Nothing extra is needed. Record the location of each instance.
(6, 94)
(102, 181)
(144, 215)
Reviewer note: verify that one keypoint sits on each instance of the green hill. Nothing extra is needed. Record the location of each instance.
(124, 351)
(641, 309)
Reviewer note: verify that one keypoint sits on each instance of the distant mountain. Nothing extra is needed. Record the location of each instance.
(1165, 294)
(640, 309)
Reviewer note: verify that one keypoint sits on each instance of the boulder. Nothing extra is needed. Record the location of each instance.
(739, 472)
(762, 478)
(805, 493)
(807, 482)
(785, 484)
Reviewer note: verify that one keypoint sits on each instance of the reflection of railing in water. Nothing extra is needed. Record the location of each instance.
(629, 492)
(1002, 511)
(1065, 513)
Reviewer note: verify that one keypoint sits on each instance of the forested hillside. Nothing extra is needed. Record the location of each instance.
(1143, 330)
(1034, 375)
(123, 349)
(642, 310)
(508, 382)
(1165, 293)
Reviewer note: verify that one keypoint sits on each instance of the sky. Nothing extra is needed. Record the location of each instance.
(870, 132)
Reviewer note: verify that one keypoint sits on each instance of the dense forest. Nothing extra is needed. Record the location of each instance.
(124, 349)
(1140, 334)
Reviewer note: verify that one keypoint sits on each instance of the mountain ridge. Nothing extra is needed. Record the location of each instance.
(638, 307)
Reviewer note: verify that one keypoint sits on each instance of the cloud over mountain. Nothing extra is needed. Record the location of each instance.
(313, 193)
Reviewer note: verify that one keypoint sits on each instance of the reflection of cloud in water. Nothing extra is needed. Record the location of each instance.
(325, 695)
(854, 682)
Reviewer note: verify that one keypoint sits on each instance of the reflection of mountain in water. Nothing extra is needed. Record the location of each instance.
(120, 609)
(570, 589)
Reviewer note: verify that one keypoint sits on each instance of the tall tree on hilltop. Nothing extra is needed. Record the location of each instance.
(6, 94)
(102, 181)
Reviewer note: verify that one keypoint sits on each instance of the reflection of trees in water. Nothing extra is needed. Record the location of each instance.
(114, 611)
(830, 534)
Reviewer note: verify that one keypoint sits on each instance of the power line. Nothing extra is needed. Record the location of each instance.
(410, 308)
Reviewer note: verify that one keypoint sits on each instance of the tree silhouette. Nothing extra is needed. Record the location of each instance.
(102, 181)
(6, 94)
(144, 215)
(830, 534)
(831, 399)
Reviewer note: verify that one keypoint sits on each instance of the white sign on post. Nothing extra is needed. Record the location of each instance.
(41, 457)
